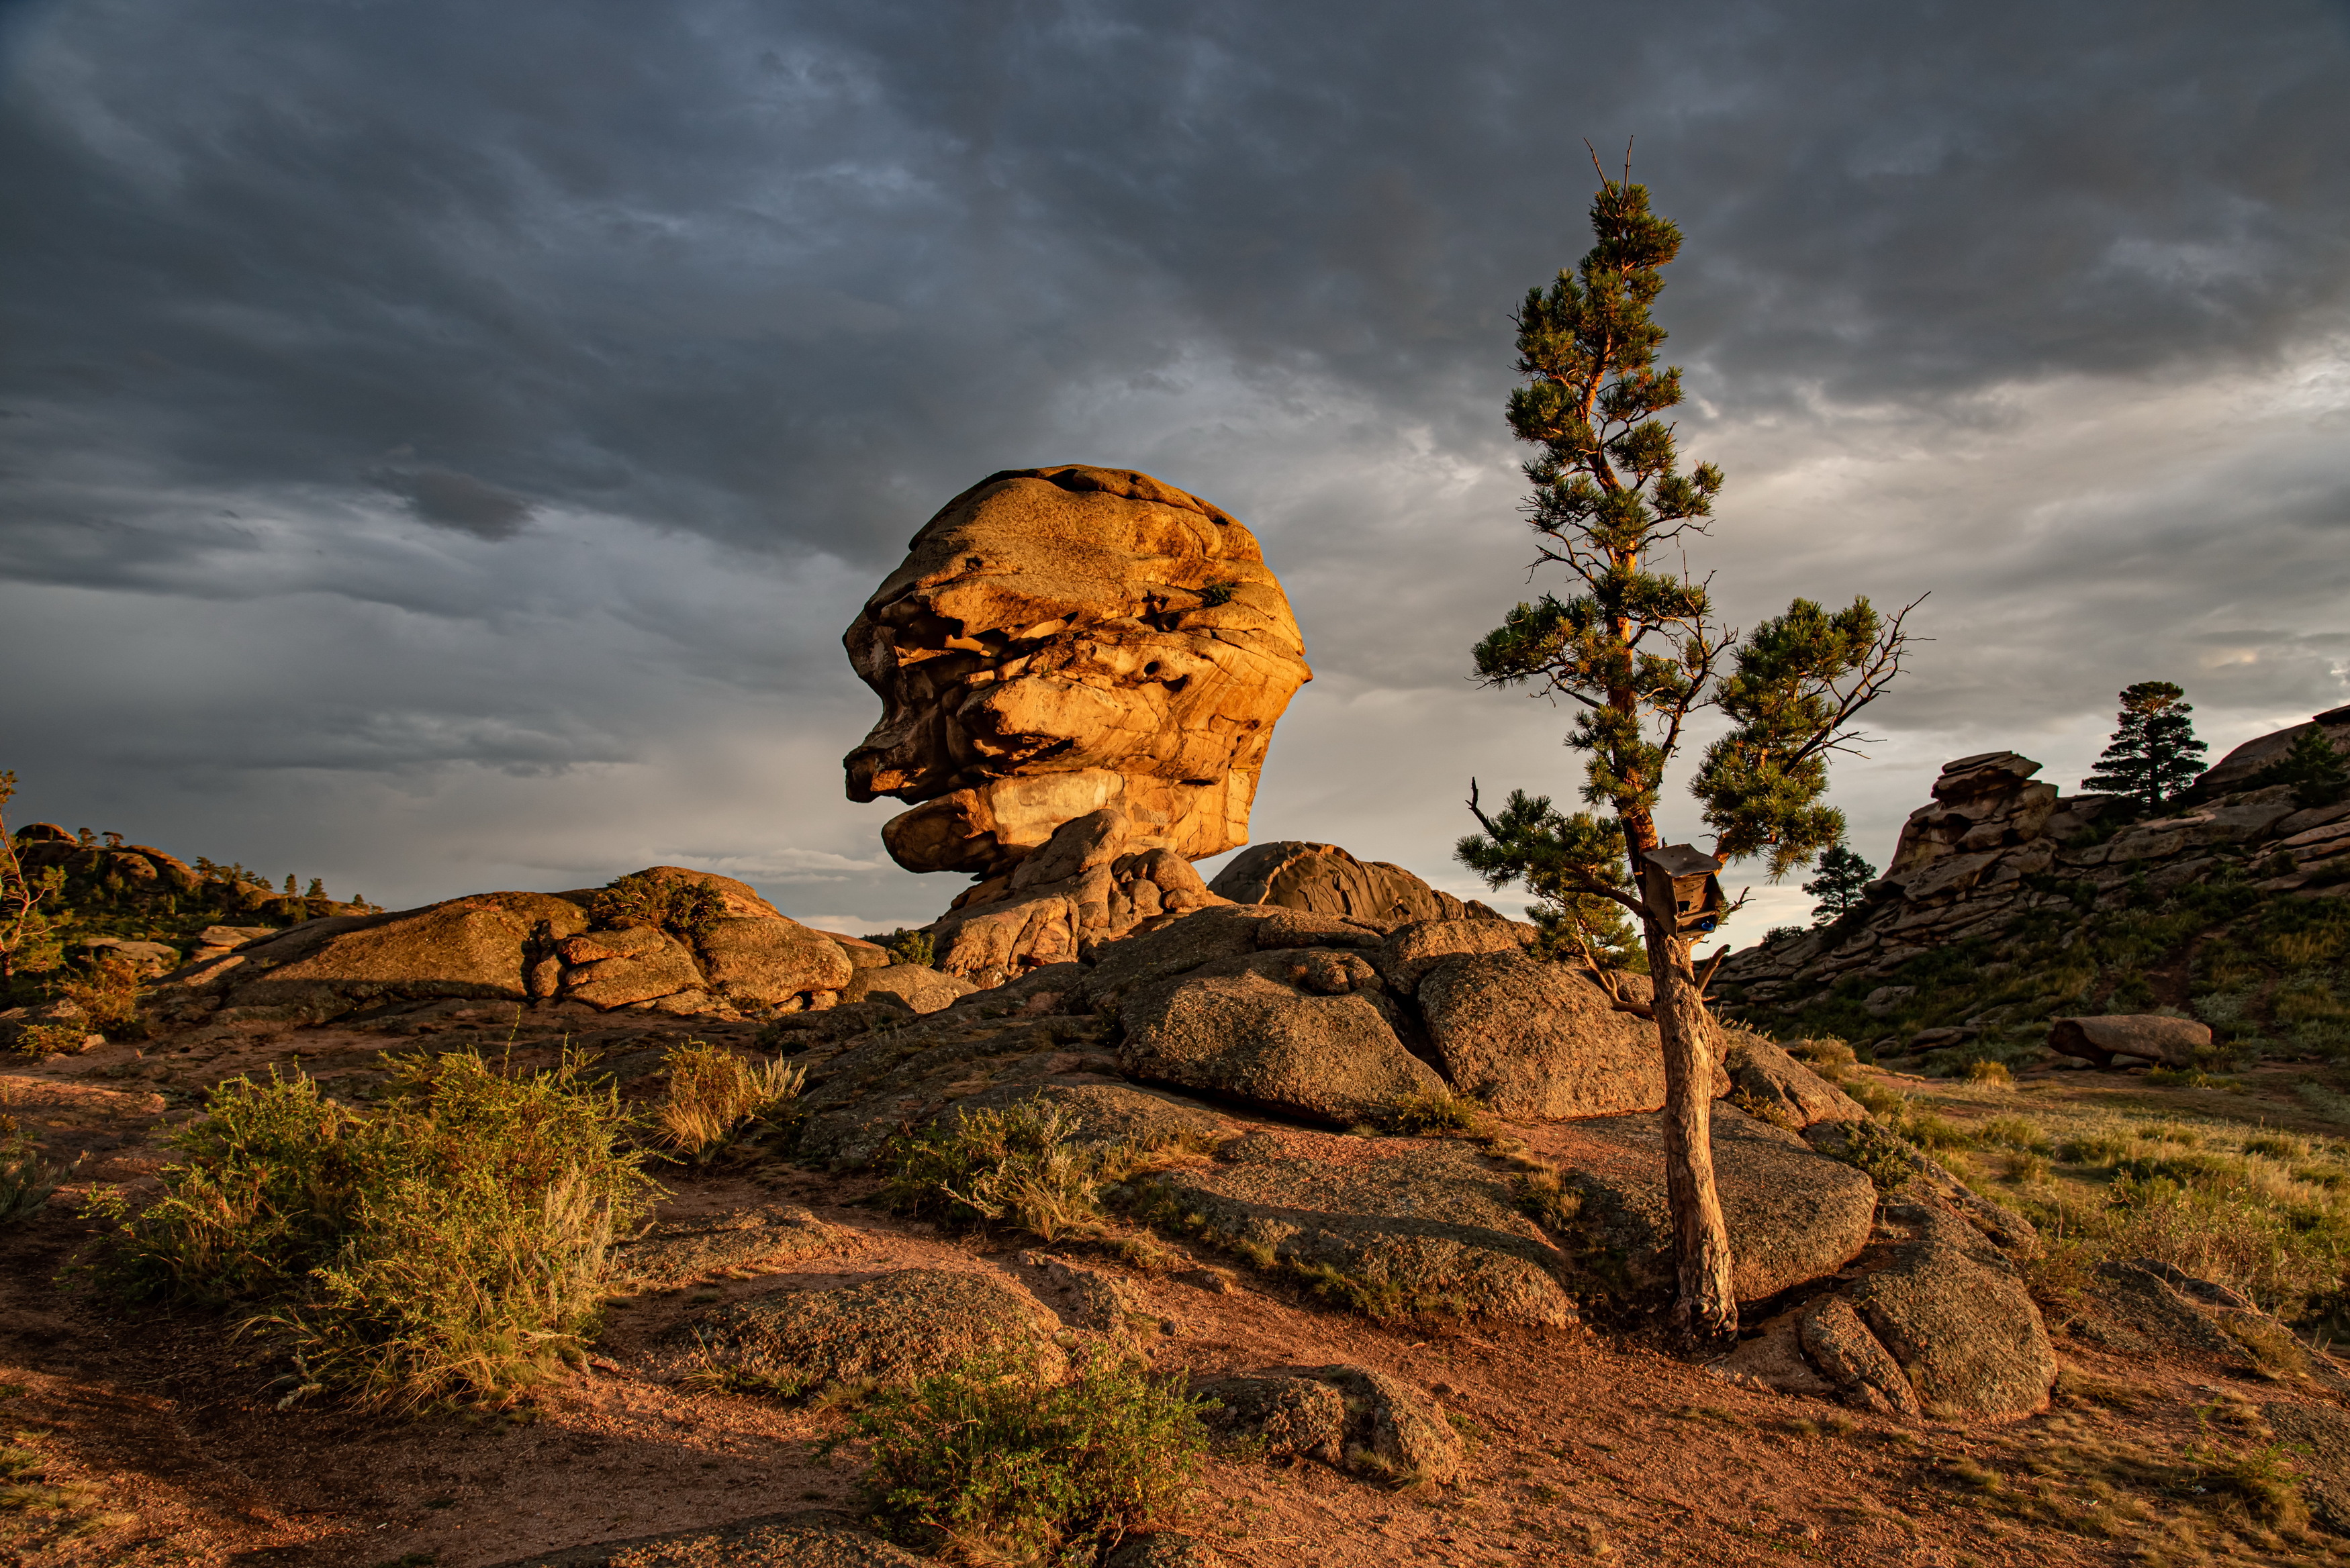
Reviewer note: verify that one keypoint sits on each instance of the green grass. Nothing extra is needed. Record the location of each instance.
(989, 1464)
(450, 1245)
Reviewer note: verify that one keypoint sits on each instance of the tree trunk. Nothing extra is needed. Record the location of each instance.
(1705, 1309)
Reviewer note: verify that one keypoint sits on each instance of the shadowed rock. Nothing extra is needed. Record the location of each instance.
(1538, 1041)
(806, 1539)
(2152, 1037)
(1301, 1033)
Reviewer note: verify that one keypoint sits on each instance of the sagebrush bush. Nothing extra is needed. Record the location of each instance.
(686, 909)
(992, 1465)
(1014, 1163)
(718, 1100)
(109, 994)
(452, 1244)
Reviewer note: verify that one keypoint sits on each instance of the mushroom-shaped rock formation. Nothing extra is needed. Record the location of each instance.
(1062, 640)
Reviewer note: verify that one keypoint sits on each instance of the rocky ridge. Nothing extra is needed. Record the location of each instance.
(1996, 845)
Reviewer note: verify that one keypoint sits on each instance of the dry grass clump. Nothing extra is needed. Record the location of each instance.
(1438, 1113)
(26, 1180)
(718, 1101)
(449, 1245)
(1017, 1164)
(987, 1463)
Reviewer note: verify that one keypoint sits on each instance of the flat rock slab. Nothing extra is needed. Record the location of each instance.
(1106, 1112)
(893, 1328)
(802, 1539)
(2180, 1042)
(680, 1250)
(1793, 1214)
(1412, 1225)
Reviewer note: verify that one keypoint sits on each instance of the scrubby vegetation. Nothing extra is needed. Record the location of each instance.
(721, 1104)
(991, 1464)
(2266, 971)
(1016, 1164)
(449, 1245)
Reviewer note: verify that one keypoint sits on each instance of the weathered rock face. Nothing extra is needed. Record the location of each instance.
(522, 948)
(1325, 880)
(1299, 1032)
(1539, 1040)
(1954, 1313)
(1060, 639)
(1793, 1215)
(2234, 770)
(1086, 886)
(1773, 1086)
(1996, 845)
(1401, 1226)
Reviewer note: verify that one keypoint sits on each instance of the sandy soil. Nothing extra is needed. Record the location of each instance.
(160, 1442)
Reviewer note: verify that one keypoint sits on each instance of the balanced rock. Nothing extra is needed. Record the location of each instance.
(1328, 880)
(1060, 639)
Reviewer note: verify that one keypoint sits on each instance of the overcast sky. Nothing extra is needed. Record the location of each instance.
(440, 445)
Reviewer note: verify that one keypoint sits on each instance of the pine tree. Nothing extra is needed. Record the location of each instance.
(2313, 767)
(1534, 843)
(1841, 886)
(1640, 650)
(2152, 756)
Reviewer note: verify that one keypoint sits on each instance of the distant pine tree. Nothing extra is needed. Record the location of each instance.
(2316, 771)
(2152, 756)
(1841, 886)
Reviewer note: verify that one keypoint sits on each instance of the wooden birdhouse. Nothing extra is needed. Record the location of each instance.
(1680, 877)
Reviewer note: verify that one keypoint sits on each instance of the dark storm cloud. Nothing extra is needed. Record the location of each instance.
(456, 501)
(559, 376)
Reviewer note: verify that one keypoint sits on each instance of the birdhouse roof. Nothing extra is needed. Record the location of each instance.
(1682, 860)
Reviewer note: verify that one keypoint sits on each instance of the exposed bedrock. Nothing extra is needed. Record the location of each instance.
(1062, 640)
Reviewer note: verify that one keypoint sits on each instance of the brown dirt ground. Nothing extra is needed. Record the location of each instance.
(161, 1435)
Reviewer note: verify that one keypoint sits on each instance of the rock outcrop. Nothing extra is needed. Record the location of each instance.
(1086, 886)
(1062, 640)
(1326, 880)
(1995, 844)
(734, 951)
